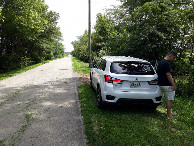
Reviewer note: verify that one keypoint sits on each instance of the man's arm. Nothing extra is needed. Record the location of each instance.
(169, 76)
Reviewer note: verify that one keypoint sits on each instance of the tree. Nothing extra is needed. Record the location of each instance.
(154, 26)
(148, 30)
(145, 29)
(26, 27)
(81, 47)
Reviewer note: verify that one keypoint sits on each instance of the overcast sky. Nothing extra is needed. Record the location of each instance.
(74, 16)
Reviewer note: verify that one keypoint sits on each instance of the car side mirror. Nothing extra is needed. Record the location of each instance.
(91, 65)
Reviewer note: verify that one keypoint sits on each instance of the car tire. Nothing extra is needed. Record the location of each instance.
(152, 107)
(100, 102)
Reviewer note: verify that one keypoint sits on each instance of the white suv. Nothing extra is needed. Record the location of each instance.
(119, 79)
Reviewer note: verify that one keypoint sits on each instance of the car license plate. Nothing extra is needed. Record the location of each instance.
(135, 85)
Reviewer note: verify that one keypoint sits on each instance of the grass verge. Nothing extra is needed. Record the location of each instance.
(133, 126)
(80, 66)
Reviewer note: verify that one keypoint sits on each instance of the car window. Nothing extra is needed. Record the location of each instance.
(101, 64)
(132, 68)
(98, 64)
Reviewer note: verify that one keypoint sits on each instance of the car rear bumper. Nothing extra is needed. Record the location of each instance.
(112, 96)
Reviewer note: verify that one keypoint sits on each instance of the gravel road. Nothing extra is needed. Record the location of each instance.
(40, 107)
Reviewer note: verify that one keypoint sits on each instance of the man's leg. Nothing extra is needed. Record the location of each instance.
(170, 94)
(168, 106)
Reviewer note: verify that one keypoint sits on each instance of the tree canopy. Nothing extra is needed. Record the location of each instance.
(144, 29)
(28, 33)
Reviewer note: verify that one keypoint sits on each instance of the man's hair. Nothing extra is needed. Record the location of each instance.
(171, 53)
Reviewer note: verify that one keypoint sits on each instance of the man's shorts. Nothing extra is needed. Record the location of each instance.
(170, 94)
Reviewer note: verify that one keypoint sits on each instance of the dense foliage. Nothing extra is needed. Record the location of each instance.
(147, 30)
(28, 33)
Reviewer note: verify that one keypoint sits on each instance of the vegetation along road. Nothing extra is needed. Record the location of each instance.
(41, 107)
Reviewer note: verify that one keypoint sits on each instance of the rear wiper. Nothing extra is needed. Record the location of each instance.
(126, 73)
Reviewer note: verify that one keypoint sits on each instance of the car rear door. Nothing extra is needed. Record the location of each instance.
(98, 71)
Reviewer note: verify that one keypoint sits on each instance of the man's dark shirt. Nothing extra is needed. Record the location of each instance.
(164, 67)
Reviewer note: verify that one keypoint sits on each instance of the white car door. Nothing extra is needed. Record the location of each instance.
(94, 77)
(98, 72)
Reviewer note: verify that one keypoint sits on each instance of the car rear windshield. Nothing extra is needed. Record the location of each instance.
(132, 68)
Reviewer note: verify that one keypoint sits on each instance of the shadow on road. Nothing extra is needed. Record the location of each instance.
(45, 114)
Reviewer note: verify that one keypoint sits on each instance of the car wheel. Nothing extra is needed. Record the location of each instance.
(152, 107)
(100, 102)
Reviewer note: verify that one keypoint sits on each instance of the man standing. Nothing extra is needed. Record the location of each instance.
(166, 81)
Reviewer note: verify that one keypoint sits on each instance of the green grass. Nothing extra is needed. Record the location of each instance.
(133, 126)
(80, 66)
(2, 143)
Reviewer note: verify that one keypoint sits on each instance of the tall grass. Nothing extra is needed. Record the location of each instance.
(80, 66)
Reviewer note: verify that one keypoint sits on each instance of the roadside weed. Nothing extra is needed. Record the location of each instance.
(80, 66)
(2, 143)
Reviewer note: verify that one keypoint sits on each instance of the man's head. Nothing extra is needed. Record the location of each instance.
(171, 56)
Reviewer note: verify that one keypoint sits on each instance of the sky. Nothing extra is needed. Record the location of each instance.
(74, 16)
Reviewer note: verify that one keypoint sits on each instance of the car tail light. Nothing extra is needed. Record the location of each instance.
(153, 82)
(110, 79)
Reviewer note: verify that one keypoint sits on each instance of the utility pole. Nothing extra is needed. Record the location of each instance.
(89, 31)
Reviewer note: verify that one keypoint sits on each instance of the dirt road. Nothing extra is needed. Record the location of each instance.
(40, 107)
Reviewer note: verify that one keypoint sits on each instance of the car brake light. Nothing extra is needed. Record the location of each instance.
(110, 79)
(153, 82)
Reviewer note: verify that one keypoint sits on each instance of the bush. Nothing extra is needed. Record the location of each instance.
(185, 84)
(184, 87)
(184, 70)
(25, 62)
(8, 63)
